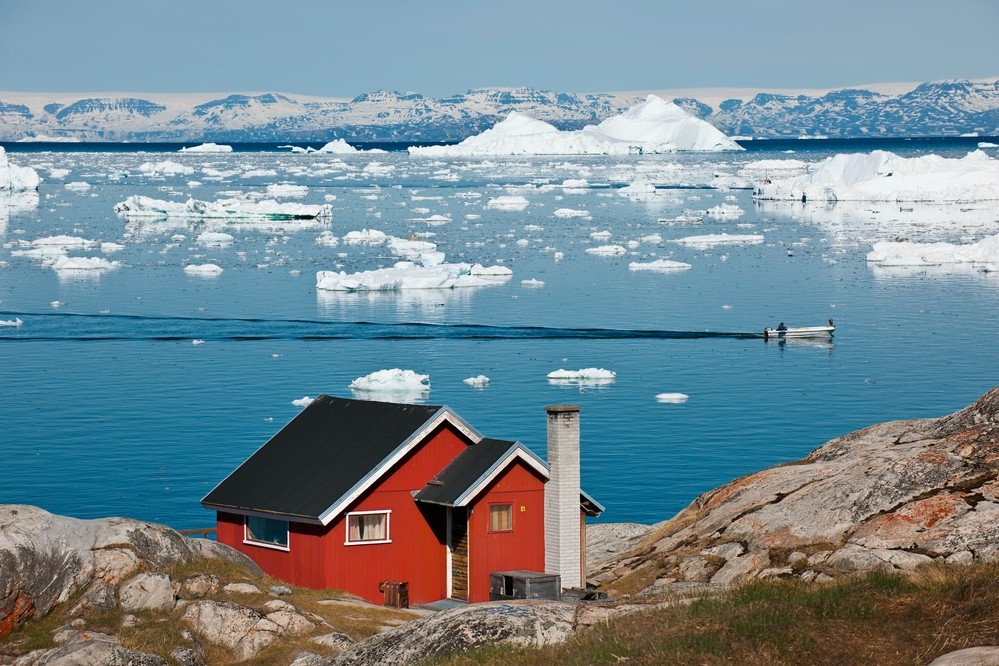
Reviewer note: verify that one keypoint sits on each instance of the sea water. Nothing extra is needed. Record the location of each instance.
(133, 392)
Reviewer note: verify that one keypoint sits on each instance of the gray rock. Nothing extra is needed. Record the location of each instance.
(280, 590)
(198, 587)
(291, 622)
(147, 591)
(741, 568)
(696, 570)
(457, 630)
(986, 655)
(186, 656)
(98, 653)
(605, 541)
(242, 630)
(100, 596)
(241, 588)
(962, 557)
(726, 551)
(333, 640)
(44, 557)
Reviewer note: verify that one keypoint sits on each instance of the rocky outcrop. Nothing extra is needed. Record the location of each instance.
(892, 496)
(44, 558)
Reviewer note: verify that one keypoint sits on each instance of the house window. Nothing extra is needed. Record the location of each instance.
(368, 527)
(500, 517)
(266, 532)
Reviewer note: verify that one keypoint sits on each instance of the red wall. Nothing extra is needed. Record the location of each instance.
(521, 548)
(417, 554)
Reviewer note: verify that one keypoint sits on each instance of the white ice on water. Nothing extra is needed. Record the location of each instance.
(653, 126)
(884, 176)
(673, 398)
(203, 270)
(15, 178)
(478, 381)
(141, 206)
(660, 265)
(706, 241)
(392, 381)
(408, 275)
(984, 254)
(207, 148)
(583, 377)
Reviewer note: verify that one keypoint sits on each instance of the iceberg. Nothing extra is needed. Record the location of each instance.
(583, 377)
(607, 250)
(653, 126)
(478, 381)
(712, 240)
(407, 275)
(15, 178)
(508, 202)
(884, 176)
(207, 148)
(984, 253)
(660, 265)
(673, 398)
(338, 147)
(164, 168)
(402, 384)
(203, 270)
(268, 209)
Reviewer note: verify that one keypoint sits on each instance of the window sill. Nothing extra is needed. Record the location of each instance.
(366, 543)
(264, 544)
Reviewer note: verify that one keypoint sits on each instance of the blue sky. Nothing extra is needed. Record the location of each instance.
(440, 47)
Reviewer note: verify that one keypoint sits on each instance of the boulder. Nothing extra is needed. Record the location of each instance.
(44, 558)
(985, 655)
(147, 591)
(892, 496)
(242, 630)
(460, 629)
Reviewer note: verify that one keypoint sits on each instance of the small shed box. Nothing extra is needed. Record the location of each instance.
(505, 585)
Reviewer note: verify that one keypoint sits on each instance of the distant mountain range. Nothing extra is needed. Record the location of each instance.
(943, 108)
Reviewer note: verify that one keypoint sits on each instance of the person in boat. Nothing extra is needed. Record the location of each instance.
(781, 327)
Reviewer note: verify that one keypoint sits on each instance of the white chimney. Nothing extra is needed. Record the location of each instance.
(562, 512)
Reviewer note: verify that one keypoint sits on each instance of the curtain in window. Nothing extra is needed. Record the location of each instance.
(369, 527)
(500, 517)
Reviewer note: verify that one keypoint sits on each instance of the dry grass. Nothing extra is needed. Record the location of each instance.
(160, 632)
(879, 618)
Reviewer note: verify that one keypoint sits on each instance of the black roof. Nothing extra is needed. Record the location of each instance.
(322, 454)
(465, 471)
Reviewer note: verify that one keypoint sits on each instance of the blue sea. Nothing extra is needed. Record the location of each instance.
(132, 392)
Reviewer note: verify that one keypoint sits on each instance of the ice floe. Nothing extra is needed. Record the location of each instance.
(203, 270)
(570, 213)
(984, 254)
(141, 206)
(164, 168)
(607, 250)
(706, 241)
(652, 126)
(884, 176)
(394, 381)
(583, 377)
(17, 322)
(660, 265)
(287, 190)
(508, 202)
(207, 148)
(673, 398)
(15, 178)
(478, 381)
(304, 401)
(408, 275)
(365, 237)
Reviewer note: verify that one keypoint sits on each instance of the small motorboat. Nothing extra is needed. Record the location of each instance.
(783, 331)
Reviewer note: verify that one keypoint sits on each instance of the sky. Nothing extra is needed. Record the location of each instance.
(331, 48)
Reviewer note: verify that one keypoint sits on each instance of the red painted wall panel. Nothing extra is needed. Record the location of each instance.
(523, 547)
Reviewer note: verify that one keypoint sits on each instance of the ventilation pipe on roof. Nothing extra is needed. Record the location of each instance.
(562, 512)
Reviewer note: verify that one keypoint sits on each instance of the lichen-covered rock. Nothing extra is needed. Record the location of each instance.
(79, 648)
(238, 628)
(985, 655)
(457, 630)
(147, 591)
(197, 587)
(891, 496)
(44, 557)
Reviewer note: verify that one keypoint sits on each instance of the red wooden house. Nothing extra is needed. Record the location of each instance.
(351, 493)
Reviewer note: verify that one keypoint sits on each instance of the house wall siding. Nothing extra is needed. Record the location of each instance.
(523, 547)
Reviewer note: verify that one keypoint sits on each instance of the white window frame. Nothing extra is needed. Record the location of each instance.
(266, 544)
(388, 524)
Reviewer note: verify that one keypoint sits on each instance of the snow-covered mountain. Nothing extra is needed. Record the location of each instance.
(942, 108)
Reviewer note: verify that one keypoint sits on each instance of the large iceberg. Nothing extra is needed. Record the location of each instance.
(654, 126)
(885, 176)
(408, 275)
(984, 254)
(15, 178)
(140, 206)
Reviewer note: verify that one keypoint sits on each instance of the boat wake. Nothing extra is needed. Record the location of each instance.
(64, 326)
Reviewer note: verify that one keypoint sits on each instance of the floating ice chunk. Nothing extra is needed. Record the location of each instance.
(713, 240)
(437, 220)
(231, 209)
(885, 176)
(17, 322)
(327, 239)
(984, 252)
(164, 168)
(725, 212)
(259, 173)
(205, 270)
(215, 239)
(570, 213)
(58, 173)
(601, 235)
(287, 190)
(660, 265)
(15, 178)
(533, 283)
(508, 202)
(64, 242)
(197, 341)
(392, 381)
(583, 377)
(339, 147)
(640, 190)
(674, 398)
(606, 250)
(70, 264)
(406, 275)
(304, 401)
(207, 148)
(478, 382)
(77, 186)
(365, 237)
(410, 249)
(378, 168)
